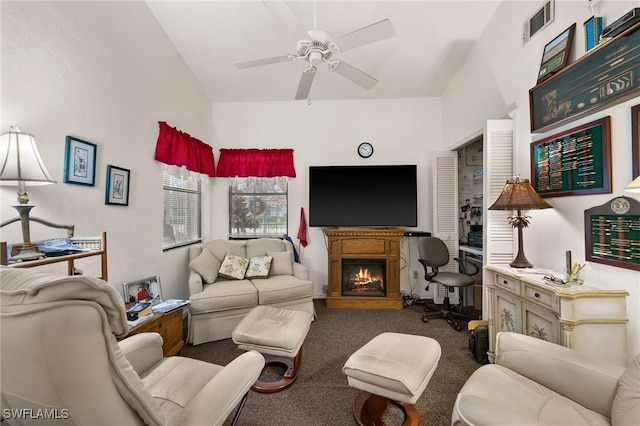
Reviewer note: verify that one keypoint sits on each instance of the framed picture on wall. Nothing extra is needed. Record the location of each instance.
(573, 162)
(79, 162)
(635, 141)
(117, 186)
(555, 55)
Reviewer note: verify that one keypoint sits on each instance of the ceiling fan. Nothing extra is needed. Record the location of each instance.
(317, 46)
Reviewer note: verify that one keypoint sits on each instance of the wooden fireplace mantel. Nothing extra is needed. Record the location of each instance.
(364, 243)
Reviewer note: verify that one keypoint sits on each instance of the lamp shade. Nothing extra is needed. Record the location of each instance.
(633, 186)
(20, 160)
(518, 194)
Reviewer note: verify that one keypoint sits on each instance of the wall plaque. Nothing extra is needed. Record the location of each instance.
(608, 74)
(612, 233)
(575, 162)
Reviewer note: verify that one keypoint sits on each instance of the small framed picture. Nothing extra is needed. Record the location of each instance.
(556, 54)
(144, 290)
(79, 162)
(117, 186)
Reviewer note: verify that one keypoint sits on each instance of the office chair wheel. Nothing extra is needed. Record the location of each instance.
(425, 318)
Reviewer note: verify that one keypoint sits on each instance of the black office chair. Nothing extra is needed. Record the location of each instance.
(435, 254)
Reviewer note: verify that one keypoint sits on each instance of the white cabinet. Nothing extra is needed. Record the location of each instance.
(581, 317)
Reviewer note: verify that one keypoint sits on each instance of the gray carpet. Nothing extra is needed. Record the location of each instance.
(321, 396)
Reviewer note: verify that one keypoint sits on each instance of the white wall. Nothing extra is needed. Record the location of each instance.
(106, 73)
(402, 131)
(502, 63)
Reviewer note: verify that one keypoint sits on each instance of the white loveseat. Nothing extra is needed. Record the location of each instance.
(218, 304)
(534, 382)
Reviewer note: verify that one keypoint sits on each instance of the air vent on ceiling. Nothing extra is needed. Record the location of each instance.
(540, 19)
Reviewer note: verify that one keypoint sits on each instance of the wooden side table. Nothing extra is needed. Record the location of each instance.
(169, 326)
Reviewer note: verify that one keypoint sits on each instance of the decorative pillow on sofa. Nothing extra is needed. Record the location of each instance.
(233, 267)
(258, 267)
(282, 263)
(206, 265)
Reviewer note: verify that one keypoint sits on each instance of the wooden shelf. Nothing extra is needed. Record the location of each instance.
(97, 246)
(603, 77)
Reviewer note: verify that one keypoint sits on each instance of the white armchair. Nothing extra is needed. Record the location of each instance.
(60, 358)
(534, 382)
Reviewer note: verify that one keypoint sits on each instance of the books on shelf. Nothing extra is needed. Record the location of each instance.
(138, 310)
(169, 305)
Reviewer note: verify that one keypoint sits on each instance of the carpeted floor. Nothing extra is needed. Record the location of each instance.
(321, 396)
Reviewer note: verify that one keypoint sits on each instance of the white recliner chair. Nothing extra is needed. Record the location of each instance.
(534, 382)
(60, 360)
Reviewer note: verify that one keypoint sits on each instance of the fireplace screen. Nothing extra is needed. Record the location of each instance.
(363, 277)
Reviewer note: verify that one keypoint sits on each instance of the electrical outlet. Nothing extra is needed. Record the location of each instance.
(324, 289)
(416, 274)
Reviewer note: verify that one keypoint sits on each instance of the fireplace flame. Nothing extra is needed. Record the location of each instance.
(363, 278)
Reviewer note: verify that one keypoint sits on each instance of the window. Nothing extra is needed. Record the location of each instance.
(258, 207)
(182, 208)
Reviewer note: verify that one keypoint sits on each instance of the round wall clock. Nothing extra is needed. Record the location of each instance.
(365, 150)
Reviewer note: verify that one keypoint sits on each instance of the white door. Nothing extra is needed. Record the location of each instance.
(498, 235)
(445, 214)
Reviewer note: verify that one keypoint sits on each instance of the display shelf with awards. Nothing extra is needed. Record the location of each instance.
(606, 75)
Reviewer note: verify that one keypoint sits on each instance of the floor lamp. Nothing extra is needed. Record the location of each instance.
(21, 165)
(519, 195)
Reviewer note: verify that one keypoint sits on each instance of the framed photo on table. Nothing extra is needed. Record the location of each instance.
(555, 55)
(147, 289)
(117, 186)
(79, 162)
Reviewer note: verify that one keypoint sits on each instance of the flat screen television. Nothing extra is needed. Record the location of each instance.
(363, 196)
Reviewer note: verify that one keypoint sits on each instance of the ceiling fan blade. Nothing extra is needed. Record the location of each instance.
(369, 34)
(287, 18)
(361, 78)
(262, 61)
(304, 87)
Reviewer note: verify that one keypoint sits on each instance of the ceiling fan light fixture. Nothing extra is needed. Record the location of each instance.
(315, 57)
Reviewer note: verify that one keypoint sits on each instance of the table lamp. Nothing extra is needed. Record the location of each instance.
(21, 165)
(519, 195)
(634, 186)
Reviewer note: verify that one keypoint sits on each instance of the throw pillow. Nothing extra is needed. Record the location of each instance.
(233, 267)
(282, 263)
(258, 267)
(206, 265)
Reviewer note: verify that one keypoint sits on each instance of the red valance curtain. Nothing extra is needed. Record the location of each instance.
(177, 148)
(256, 162)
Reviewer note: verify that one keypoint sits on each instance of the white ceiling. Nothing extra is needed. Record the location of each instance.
(432, 39)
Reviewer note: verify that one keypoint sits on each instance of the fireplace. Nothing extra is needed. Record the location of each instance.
(363, 277)
(372, 261)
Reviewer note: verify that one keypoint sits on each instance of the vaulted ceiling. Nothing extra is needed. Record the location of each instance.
(431, 41)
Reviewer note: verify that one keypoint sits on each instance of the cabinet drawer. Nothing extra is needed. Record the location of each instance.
(508, 283)
(542, 297)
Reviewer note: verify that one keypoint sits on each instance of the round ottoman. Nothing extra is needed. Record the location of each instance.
(278, 334)
(392, 367)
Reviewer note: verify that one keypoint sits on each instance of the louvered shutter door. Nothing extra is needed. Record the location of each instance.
(498, 168)
(445, 214)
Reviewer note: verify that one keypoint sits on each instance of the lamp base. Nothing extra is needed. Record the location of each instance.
(521, 260)
(519, 263)
(27, 253)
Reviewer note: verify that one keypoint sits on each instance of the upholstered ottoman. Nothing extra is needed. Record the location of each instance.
(394, 368)
(278, 334)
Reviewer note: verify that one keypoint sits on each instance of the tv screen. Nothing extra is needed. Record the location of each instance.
(375, 196)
